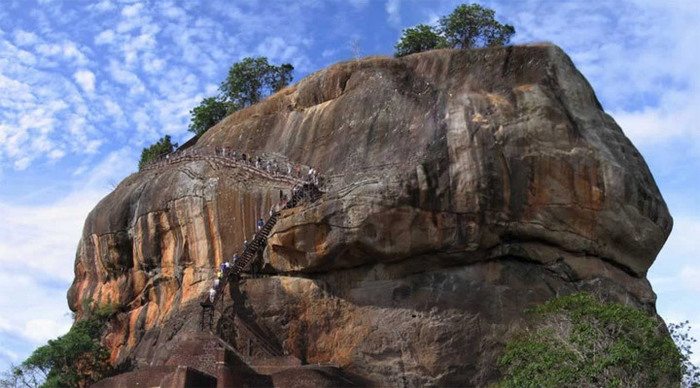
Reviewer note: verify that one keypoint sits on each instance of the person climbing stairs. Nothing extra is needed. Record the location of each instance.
(307, 191)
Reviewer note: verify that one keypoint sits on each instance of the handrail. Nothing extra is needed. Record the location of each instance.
(223, 156)
(308, 190)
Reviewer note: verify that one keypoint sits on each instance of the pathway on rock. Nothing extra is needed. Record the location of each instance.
(218, 157)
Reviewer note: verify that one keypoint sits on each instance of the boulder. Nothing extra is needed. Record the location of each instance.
(460, 188)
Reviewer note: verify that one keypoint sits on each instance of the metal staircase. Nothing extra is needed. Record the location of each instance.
(227, 321)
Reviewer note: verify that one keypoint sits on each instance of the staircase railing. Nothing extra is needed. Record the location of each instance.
(307, 191)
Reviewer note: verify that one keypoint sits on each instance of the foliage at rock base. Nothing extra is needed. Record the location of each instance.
(681, 336)
(75, 359)
(577, 340)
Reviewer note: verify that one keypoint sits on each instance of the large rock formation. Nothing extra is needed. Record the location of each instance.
(461, 188)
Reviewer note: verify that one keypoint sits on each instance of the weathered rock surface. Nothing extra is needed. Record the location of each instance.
(462, 187)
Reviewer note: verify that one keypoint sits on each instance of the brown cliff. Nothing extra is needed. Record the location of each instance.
(462, 187)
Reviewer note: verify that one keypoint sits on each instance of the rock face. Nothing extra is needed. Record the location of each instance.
(461, 188)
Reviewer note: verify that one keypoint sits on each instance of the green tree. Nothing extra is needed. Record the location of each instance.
(470, 26)
(248, 82)
(252, 79)
(75, 359)
(680, 332)
(280, 76)
(419, 38)
(209, 112)
(162, 147)
(577, 340)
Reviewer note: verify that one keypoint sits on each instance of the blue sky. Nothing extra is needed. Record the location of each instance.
(85, 85)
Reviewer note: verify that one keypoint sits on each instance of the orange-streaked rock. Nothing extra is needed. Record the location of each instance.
(462, 187)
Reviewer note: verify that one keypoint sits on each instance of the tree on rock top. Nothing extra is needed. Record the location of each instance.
(248, 82)
(209, 112)
(162, 147)
(252, 79)
(419, 38)
(468, 26)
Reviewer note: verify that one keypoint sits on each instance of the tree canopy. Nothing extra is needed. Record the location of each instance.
(252, 79)
(209, 112)
(468, 26)
(247, 82)
(162, 147)
(419, 38)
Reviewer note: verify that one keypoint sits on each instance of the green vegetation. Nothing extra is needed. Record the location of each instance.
(252, 79)
(248, 82)
(577, 340)
(681, 336)
(209, 112)
(162, 147)
(419, 38)
(468, 26)
(75, 359)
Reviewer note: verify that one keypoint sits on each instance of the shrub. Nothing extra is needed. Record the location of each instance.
(577, 340)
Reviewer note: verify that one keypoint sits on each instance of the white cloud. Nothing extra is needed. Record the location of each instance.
(103, 6)
(152, 65)
(641, 58)
(125, 77)
(105, 37)
(691, 278)
(113, 109)
(25, 38)
(37, 314)
(86, 80)
(393, 10)
(173, 12)
(133, 10)
(41, 239)
(56, 154)
(359, 4)
(71, 51)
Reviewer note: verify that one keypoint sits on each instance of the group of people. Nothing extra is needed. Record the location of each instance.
(271, 166)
